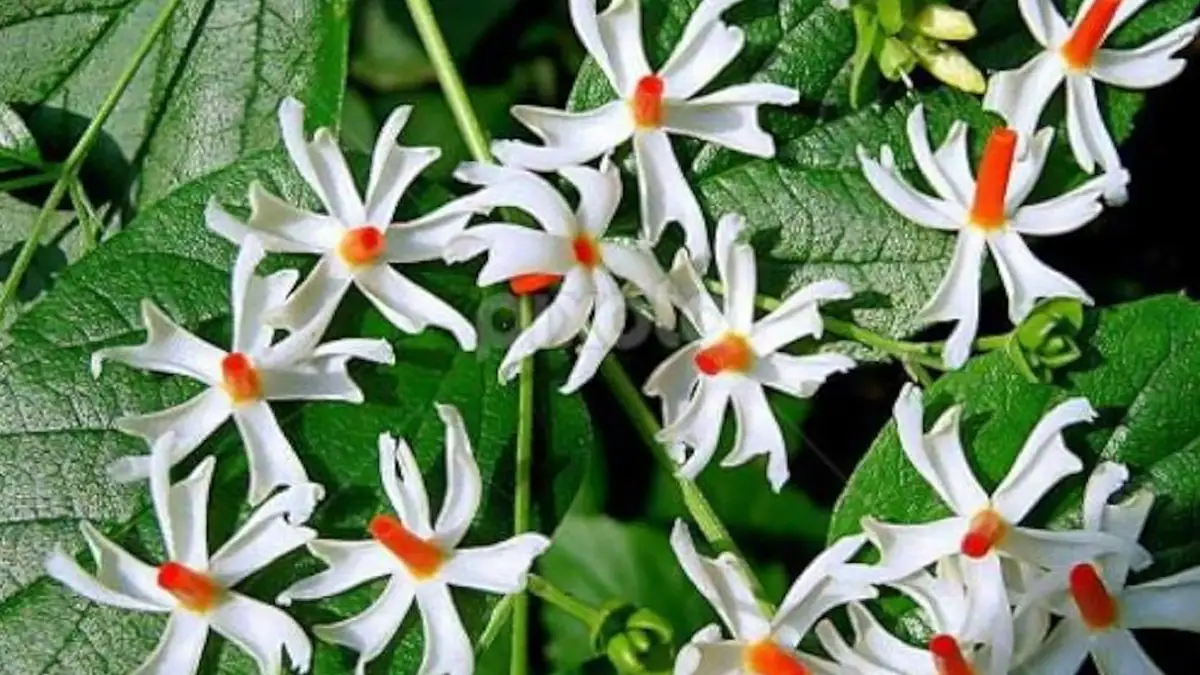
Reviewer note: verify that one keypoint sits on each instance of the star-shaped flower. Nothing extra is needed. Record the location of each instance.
(761, 645)
(1099, 611)
(241, 381)
(651, 105)
(421, 561)
(735, 358)
(983, 531)
(1075, 54)
(988, 213)
(572, 247)
(356, 238)
(194, 589)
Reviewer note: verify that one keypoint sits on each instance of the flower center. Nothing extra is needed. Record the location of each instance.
(240, 379)
(585, 250)
(422, 557)
(986, 531)
(1096, 606)
(988, 212)
(732, 352)
(1080, 49)
(767, 658)
(362, 246)
(948, 658)
(647, 103)
(195, 591)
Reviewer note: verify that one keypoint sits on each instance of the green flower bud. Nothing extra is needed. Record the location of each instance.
(943, 22)
(896, 59)
(636, 640)
(948, 65)
(1045, 340)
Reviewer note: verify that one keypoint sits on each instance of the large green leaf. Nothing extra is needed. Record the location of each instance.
(1139, 372)
(815, 214)
(18, 149)
(206, 95)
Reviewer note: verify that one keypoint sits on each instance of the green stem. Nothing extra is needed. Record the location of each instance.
(702, 512)
(70, 168)
(496, 623)
(86, 213)
(476, 140)
(27, 181)
(577, 608)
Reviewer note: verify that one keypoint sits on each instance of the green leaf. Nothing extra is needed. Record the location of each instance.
(18, 149)
(814, 214)
(1138, 370)
(206, 96)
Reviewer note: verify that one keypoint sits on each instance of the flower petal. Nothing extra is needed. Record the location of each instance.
(1117, 652)
(614, 39)
(447, 647)
(1063, 214)
(876, 651)
(252, 297)
(729, 117)
(393, 168)
(349, 564)
(1104, 482)
(464, 487)
(282, 227)
(181, 509)
(1169, 602)
(191, 422)
(345, 204)
(499, 568)
(1027, 279)
(412, 308)
(736, 267)
(931, 169)
(1027, 170)
(120, 580)
(570, 138)
(272, 531)
(943, 599)
(711, 657)
(562, 320)
(179, 649)
(512, 251)
(720, 582)
(797, 316)
(1043, 462)
(666, 196)
(706, 47)
(1020, 96)
(294, 384)
(1090, 140)
(954, 160)
(370, 631)
(264, 632)
(957, 297)
(799, 376)
(608, 322)
(635, 262)
(1064, 651)
(1147, 66)
(273, 462)
(406, 489)
(988, 613)
(693, 299)
(1046, 25)
(699, 425)
(816, 590)
(757, 433)
(1054, 548)
(673, 381)
(505, 186)
(921, 209)
(291, 128)
(426, 238)
(599, 194)
(168, 349)
(316, 298)
(938, 455)
(904, 549)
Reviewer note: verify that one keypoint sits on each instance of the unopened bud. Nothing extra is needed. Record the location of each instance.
(949, 65)
(896, 59)
(943, 22)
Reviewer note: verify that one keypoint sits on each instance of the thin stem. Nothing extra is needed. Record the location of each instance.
(27, 181)
(86, 213)
(568, 603)
(694, 500)
(70, 168)
(496, 623)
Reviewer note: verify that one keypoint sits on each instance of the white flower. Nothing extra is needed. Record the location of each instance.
(1074, 54)
(572, 248)
(420, 561)
(735, 358)
(241, 381)
(651, 105)
(1099, 612)
(761, 645)
(196, 590)
(983, 530)
(987, 213)
(356, 238)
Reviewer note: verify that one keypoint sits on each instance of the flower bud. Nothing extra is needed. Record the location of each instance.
(636, 640)
(1045, 340)
(896, 59)
(948, 65)
(943, 22)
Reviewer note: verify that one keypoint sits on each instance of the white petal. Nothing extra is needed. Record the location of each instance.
(570, 138)
(614, 39)
(179, 649)
(954, 160)
(263, 296)
(816, 590)
(730, 117)
(711, 657)
(707, 45)
(957, 297)
(447, 647)
(799, 376)
(938, 456)
(499, 568)
(608, 322)
(168, 349)
(599, 194)
(1030, 629)
(699, 425)
(1063, 214)
(635, 262)
(191, 422)
(283, 228)
(692, 297)
(1090, 140)
(366, 349)
(874, 647)
(562, 320)
(349, 564)
(332, 171)
(1054, 549)
(942, 599)
(1170, 602)
(464, 487)
(370, 631)
(1020, 96)
(393, 168)
(1027, 170)
(892, 188)
(904, 549)
(425, 239)
(1046, 25)
(673, 381)
(666, 196)
(735, 266)
(1064, 651)
(1043, 462)
(1147, 66)
(406, 489)
(720, 582)
(295, 384)
(931, 169)
(1106, 479)
(1027, 279)
(316, 298)
(988, 614)
(1117, 652)
(797, 316)
(120, 581)
(757, 433)
(273, 462)
(182, 509)
(505, 186)
(1125, 521)
(410, 307)
(264, 632)
(512, 251)
(248, 303)
(291, 127)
